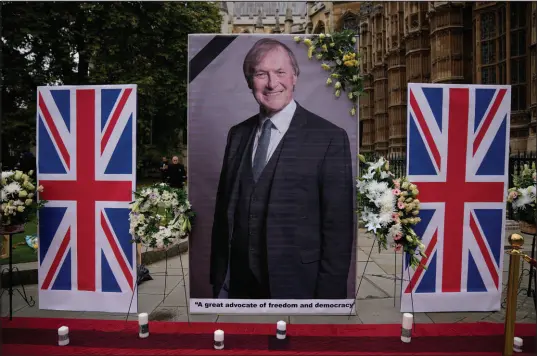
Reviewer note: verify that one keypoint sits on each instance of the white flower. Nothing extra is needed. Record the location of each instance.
(12, 188)
(395, 229)
(7, 174)
(525, 197)
(381, 162)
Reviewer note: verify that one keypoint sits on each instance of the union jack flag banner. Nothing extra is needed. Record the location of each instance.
(86, 156)
(458, 145)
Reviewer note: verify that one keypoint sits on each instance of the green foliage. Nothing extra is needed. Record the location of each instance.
(76, 43)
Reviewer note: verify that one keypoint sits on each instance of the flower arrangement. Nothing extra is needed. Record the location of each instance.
(389, 208)
(19, 197)
(337, 52)
(160, 215)
(522, 195)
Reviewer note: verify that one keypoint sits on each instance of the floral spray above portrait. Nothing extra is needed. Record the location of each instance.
(389, 208)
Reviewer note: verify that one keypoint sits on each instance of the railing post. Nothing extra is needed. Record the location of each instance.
(516, 241)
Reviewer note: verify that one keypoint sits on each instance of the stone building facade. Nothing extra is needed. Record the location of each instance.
(420, 42)
(445, 42)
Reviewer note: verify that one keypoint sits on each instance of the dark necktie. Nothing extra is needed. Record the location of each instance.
(260, 158)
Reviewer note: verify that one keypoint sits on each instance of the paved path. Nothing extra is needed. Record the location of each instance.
(375, 303)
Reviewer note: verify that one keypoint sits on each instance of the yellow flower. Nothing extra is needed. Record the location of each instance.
(31, 173)
(350, 95)
(334, 75)
(328, 81)
(25, 177)
(20, 208)
(297, 39)
(354, 78)
(23, 194)
(319, 56)
(337, 93)
(31, 195)
(307, 42)
(354, 40)
(337, 85)
(353, 111)
(332, 44)
(325, 66)
(321, 36)
(28, 202)
(324, 48)
(310, 52)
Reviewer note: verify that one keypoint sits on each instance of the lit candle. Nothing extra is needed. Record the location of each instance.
(63, 336)
(517, 344)
(281, 330)
(219, 339)
(406, 329)
(143, 323)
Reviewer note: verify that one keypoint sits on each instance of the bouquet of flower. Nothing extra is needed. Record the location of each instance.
(389, 208)
(19, 197)
(337, 52)
(522, 195)
(160, 215)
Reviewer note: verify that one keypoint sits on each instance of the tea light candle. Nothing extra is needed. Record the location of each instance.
(143, 323)
(281, 330)
(219, 339)
(63, 336)
(406, 329)
(517, 344)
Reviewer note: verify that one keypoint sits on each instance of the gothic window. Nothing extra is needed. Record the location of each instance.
(488, 24)
(488, 75)
(518, 56)
(319, 28)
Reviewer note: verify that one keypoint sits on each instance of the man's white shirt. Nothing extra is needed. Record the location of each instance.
(281, 122)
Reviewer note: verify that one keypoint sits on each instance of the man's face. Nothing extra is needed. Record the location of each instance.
(175, 160)
(274, 80)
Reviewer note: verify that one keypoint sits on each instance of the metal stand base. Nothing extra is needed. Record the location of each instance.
(9, 271)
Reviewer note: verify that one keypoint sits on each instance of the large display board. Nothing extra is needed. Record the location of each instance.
(275, 228)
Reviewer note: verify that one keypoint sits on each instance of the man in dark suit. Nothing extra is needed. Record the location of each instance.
(283, 222)
(176, 173)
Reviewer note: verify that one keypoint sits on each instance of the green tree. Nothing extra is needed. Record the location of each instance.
(143, 43)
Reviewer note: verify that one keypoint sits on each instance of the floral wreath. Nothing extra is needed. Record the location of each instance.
(389, 208)
(338, 54)
(160, 215)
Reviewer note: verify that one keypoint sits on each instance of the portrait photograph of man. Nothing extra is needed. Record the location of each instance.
(272, 156)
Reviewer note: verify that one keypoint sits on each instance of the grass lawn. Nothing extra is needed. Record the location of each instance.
(24, 253)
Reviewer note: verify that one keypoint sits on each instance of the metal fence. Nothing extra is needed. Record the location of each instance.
(398, 165)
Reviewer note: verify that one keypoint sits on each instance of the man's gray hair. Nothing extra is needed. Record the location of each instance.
(258, 51)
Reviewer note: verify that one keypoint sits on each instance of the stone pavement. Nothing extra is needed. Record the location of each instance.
(375, 303)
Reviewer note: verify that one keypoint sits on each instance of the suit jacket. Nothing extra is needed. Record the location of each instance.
(310, 219)
(177, 175)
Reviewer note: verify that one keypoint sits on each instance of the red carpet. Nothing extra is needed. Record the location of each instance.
(38, 336)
